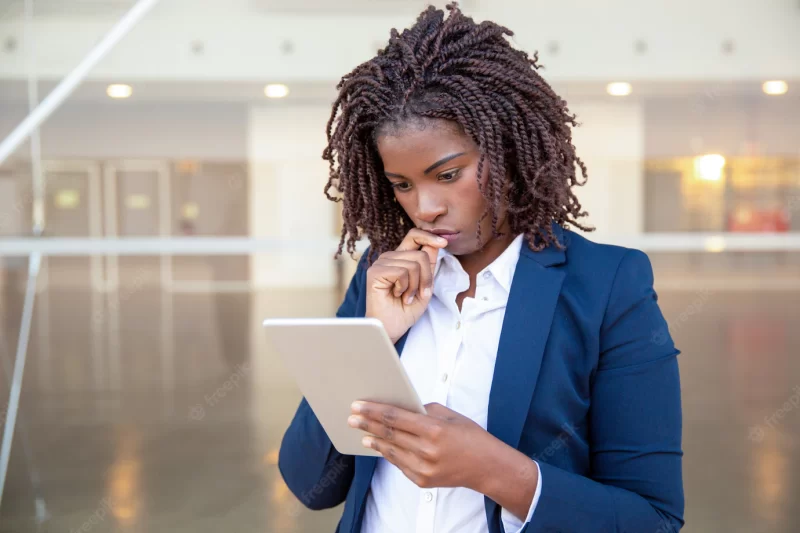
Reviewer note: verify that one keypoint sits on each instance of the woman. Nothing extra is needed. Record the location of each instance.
(550, 379)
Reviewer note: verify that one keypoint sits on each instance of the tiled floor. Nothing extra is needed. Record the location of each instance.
(159, 427)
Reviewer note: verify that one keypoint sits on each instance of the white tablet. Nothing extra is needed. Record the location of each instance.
(336, 361)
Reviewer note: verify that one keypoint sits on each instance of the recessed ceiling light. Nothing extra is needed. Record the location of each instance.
(619, 88)
(775, 87)
(119, 90)
(276, 90)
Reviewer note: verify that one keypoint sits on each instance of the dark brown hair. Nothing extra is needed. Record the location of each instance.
(455, 69)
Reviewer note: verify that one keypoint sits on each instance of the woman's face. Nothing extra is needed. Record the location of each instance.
(433, 168)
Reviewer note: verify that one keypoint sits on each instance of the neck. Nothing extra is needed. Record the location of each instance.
(476, 261)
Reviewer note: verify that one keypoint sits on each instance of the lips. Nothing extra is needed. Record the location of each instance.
(448, 234)
(449, 237)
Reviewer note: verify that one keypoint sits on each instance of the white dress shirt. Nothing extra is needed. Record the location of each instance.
(449, 357)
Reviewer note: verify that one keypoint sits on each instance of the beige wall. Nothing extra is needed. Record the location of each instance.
(743, 126)
(173, 130)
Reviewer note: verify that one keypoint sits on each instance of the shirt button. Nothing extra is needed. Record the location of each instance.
(428, 497)
(458, 325)
(487, 275)
(444, 378)
(485, 298)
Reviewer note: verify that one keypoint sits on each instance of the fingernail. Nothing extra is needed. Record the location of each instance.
(410, 299)
(441, 240)
(353, 421)
(427, 292)
(367, 442)
(355, 407)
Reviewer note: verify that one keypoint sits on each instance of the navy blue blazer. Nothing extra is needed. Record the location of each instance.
(586, 383)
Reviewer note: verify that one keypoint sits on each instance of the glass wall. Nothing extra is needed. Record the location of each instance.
(175, 199)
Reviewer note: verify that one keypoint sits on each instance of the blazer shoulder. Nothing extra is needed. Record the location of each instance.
(607, 277)
(597, 258)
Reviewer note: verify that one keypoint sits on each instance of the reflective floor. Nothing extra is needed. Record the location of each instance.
(151, 411)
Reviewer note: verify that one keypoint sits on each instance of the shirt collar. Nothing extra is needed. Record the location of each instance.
(502, 268)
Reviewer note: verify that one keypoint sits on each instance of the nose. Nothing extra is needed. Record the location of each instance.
(430, 206)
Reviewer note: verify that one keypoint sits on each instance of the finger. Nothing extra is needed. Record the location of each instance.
(414, 274)
(398, 456)
(437, 409)
(423, 260)
(428, 242)
(440, 412)
(405, 440)
(432, 254)
(390, 278)
(396, 417)
(415, 468)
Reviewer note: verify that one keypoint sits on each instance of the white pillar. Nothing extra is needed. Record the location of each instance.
(287, 177)
(610, 141)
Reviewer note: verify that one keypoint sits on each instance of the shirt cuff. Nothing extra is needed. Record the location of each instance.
(512, 524)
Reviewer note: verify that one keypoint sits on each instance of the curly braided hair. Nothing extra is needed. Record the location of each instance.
(467, 73)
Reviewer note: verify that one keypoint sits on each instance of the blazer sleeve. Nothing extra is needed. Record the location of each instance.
(635, 484)
(317, 474)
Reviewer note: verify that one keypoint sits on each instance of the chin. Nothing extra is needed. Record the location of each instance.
(464, 246)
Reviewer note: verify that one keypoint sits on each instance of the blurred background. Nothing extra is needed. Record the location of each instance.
(173, 200)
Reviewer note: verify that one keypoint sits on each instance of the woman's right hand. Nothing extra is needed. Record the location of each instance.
(400, 283)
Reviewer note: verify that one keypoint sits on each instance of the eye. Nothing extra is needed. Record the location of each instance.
(401, 186)
(450, 175)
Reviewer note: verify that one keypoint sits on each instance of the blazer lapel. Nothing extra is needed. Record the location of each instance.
(529, 313)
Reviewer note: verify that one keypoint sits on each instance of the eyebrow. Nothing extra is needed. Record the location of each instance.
(433, 166)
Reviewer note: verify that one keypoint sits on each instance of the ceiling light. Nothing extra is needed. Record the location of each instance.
(619, 88)
(276, 90)
(709, 167)
(775, 87)
(119, 90)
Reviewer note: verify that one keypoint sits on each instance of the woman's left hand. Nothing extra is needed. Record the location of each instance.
(440, 449)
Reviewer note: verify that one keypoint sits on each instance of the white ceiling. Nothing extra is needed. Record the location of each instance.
(353, 7)
(10, 9)
(319, 40)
